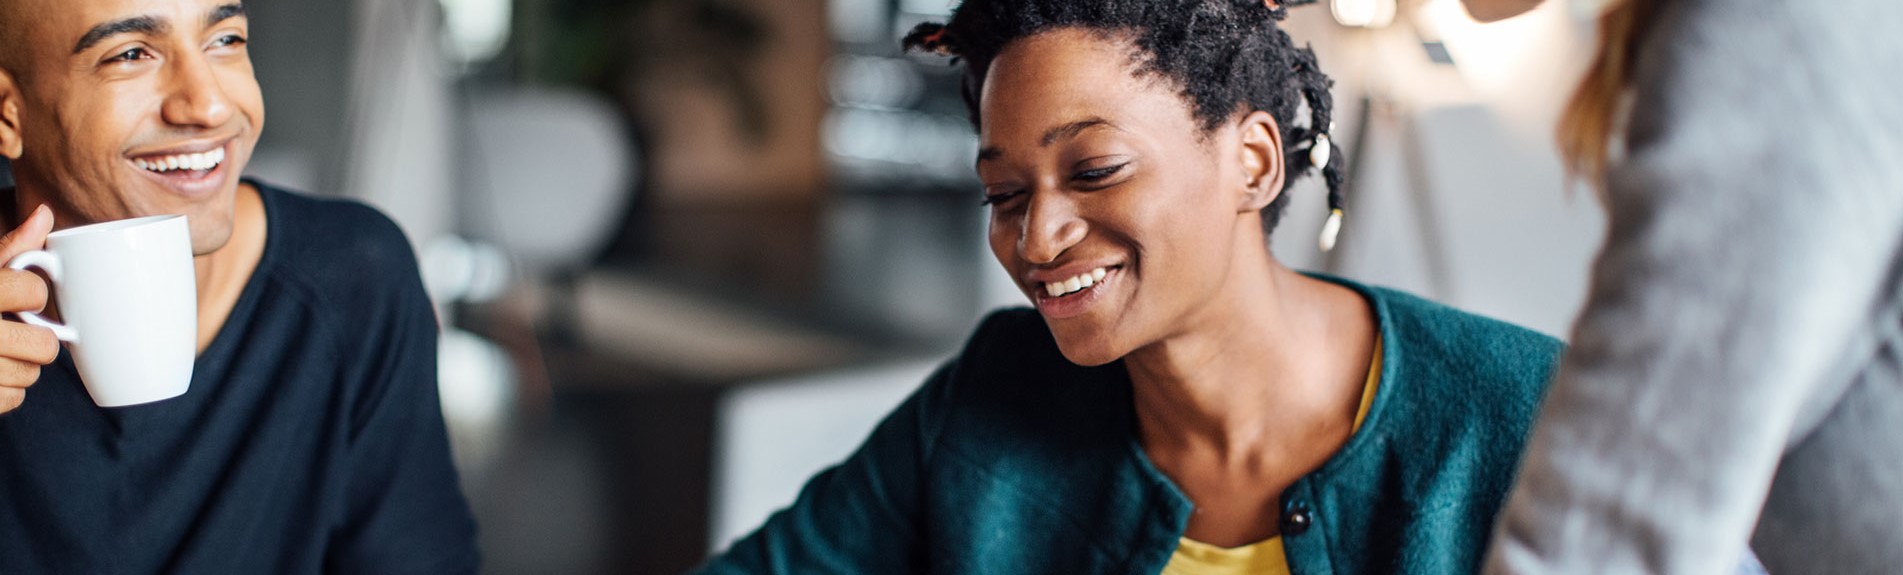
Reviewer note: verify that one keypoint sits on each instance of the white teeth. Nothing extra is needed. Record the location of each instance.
(1075, 284)
(199, 161)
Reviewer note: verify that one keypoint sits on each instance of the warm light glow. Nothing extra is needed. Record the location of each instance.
(477, 29)
(1523, 67)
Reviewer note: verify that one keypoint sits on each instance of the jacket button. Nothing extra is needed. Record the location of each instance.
(1296, 520)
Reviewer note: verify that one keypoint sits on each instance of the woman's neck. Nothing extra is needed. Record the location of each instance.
(1269, 365)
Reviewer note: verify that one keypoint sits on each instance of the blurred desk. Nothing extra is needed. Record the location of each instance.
(725, 325)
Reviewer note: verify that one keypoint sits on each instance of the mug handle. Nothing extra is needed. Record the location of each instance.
(49, 263)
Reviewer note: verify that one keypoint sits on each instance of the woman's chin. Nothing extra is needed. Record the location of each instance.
(1087, 352)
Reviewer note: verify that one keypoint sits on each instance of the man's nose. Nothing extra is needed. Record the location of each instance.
(194, 95)
(1051, 226)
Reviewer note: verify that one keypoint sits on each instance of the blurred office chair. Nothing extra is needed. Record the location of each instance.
(548, 176)
(548, 173)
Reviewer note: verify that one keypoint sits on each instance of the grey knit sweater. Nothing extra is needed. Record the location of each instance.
(1735, 374)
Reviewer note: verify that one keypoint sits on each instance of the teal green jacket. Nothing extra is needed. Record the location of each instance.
(1011, 459)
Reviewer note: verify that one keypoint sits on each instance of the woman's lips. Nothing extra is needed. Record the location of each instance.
(1075, 283)
(1073, 296)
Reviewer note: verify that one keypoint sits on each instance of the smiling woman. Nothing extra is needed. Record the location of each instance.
(1178, 400)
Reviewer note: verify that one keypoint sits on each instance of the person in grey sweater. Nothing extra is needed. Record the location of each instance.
(1737, 372)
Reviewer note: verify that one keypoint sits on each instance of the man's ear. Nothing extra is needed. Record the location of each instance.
(11, 145)
(1262, 166)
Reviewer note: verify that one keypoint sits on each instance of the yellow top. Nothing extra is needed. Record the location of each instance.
(1194, 557)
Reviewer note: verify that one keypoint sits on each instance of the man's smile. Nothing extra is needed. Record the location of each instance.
(195, 162)
(193, 170)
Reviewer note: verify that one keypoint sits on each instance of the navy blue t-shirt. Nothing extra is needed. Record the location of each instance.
(311, 440)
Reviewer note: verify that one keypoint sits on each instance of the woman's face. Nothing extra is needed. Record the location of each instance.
(1111, 207)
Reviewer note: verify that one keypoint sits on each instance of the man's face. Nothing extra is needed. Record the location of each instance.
(132, 108)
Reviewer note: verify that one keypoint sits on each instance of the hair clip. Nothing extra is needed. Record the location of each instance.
(1330, 230)
(1318, 152)
(936, 42)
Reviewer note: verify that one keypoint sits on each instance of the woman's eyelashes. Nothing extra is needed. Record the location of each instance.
(1098, 175)
(995, 198)
(1089, 179)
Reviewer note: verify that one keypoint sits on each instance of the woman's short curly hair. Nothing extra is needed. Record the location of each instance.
(1224, 56)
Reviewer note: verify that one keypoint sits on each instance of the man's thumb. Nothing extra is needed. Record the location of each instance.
(31, 235)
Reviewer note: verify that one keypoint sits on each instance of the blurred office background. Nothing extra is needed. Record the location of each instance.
(689, 251)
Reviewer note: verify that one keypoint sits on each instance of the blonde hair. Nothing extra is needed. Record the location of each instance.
(1586, 128)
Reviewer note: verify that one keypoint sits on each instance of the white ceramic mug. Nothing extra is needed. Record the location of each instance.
(128, 294)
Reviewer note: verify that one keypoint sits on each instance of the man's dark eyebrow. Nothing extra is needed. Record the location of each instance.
(223, 13)
(148, 25)
(1051, 136)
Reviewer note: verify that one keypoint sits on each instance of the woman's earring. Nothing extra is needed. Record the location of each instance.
(1318, 152)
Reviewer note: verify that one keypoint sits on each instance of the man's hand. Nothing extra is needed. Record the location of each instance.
(23, 348)
(1496, 10)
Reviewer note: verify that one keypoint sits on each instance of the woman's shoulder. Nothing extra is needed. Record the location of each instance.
(1456, 370)
(1448, 342)
(1458, 397)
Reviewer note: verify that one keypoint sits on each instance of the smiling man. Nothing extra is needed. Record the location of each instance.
(311, 439)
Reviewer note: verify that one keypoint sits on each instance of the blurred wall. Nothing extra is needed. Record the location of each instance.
(301, 54)
(1457, 193)
(357, 104)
